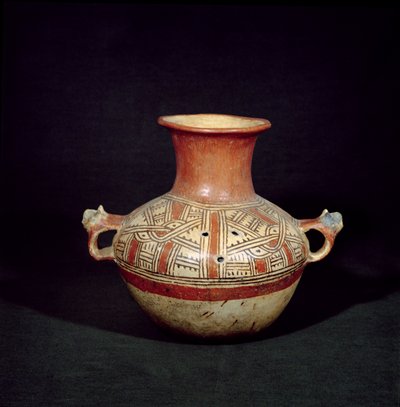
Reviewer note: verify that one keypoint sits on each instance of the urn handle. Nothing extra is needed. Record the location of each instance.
(329, 224)
(97, 222)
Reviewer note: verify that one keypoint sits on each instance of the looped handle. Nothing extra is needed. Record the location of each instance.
(329, 224)
(96, 222)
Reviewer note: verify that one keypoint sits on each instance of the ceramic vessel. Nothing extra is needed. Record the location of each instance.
(211, 258)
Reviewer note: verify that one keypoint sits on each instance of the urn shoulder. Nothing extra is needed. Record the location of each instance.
(173, 236)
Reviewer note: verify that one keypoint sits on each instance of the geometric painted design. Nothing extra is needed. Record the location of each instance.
(217, 243)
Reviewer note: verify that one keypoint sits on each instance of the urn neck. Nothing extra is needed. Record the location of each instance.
(213, 168)
(213, 156)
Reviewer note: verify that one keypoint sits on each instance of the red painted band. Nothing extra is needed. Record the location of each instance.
(213, 251)
(211, 293)
(132, 251)
(288, 253)
(263, 216)
(260, 266)
(162, 265)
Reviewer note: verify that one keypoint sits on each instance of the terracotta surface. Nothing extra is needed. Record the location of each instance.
(210, 257)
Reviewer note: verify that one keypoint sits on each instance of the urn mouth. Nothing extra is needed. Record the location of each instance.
(214, 123)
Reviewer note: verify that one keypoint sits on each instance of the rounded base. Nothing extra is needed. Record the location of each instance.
(207, 319)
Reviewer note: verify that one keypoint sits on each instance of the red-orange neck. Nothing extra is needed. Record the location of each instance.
(213, 168)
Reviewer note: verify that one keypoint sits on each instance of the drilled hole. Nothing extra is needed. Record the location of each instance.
(205, 234)
(220, 259)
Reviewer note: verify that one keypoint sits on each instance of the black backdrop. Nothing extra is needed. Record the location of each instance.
(82, 86)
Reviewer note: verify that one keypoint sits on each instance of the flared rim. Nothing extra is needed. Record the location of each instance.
(214, 123)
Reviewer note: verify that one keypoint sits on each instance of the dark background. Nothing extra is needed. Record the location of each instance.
(82, 86)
